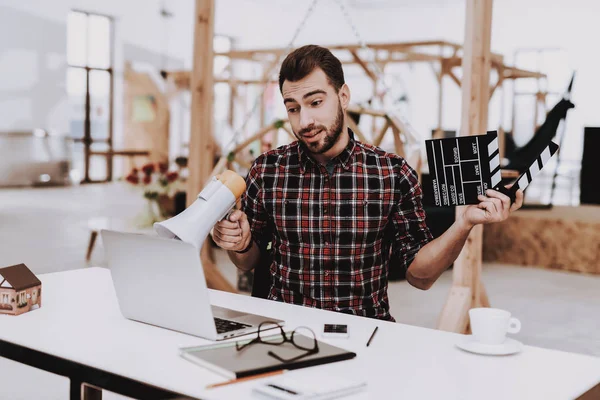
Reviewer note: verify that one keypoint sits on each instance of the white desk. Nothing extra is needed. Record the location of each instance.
(80, 322)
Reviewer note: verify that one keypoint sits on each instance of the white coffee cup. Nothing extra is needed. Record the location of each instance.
(490, 325)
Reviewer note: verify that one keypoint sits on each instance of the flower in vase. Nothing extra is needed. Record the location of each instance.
(160, 186)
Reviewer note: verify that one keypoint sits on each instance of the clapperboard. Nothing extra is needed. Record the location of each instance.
(466, 166)
(463, 167)
(526, 177)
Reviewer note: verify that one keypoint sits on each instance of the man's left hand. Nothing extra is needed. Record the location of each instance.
(494, 207)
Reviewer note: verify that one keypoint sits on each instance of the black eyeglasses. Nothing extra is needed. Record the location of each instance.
(265, 338)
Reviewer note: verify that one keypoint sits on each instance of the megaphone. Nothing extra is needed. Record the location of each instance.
(213, 203)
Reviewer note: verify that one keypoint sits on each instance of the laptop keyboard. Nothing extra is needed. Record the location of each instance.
(224, 325)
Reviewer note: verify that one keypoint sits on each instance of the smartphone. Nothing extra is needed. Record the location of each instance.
(335, 331)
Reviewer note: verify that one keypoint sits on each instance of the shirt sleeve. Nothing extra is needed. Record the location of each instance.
(253, 204)
(408, 218)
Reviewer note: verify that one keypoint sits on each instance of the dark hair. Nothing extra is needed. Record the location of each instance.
(302, 61)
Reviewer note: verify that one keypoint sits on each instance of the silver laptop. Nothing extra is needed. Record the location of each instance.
(161, 282)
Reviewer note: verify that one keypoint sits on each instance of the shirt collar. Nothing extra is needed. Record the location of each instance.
(343, 158)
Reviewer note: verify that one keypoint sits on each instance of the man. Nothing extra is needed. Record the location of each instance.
(342, 212)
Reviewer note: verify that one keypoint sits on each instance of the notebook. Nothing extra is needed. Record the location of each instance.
(224, 358)
(313, 387)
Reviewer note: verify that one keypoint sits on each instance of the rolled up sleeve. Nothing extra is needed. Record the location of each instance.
(253, 202)
(410, 229)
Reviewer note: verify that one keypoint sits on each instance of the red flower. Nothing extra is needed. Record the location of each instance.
(172, 176)
(163, 167)
(132, 179)
(148, 169)
(147, 179)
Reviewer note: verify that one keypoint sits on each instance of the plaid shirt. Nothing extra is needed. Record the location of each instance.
(335, 236)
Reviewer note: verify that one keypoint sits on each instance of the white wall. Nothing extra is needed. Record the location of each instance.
(33, 54)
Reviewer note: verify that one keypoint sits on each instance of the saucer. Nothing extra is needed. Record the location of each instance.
(510, 346)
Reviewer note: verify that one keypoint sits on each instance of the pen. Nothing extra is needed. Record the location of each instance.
(246, 378)
(372, 336)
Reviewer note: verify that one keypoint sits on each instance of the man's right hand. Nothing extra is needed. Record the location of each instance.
(233, 233)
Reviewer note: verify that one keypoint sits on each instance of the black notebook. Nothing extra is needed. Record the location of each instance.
(224, 359)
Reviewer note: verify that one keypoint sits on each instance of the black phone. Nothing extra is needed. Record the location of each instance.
(335, 330)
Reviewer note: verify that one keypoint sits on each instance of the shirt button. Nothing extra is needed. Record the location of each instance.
(326, 273)
(326, 243)
(325, 211)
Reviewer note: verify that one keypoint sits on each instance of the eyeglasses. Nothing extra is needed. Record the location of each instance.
(265, 338)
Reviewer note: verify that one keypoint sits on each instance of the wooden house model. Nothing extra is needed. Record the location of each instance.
(20, 290)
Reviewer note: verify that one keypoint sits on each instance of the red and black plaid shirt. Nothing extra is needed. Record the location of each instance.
(335, 236)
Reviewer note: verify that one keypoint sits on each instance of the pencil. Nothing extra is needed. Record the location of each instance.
(372, 336)
(247, 378)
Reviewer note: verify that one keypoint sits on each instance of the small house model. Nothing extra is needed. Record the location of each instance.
(20, 290)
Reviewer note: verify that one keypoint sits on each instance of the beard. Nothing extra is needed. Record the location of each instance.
(332, 134)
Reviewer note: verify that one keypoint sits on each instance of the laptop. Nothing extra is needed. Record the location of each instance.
(161, 282)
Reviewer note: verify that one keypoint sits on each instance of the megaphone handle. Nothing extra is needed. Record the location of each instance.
(226, 218)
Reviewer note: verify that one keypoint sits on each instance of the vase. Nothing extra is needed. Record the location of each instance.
(148, 216)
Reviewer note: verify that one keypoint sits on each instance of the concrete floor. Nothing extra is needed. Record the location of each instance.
(47, 230)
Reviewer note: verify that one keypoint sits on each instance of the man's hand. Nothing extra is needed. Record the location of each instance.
(233, 233)
(495, 207)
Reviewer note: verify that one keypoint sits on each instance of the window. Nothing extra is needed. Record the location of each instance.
(90, 91)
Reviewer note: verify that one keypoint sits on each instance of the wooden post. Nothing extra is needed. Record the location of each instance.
(233, 90)
(202, 144)
(440, 78)
(467, 290)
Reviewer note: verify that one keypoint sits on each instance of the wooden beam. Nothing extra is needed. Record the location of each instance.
(398, 141)
(243, 82)
(452, 62)
(493, 89)
(289, 131)
(363, 65)
(451, 74)
(516, 73)
(409, 134)
(378, 46)
(221, 165)
(202, 144)
(262, 132)
(367, 111)
(409, 56)
(440, 81)
(377, 141)
(454, 315)
(352, 125)
(475, 97)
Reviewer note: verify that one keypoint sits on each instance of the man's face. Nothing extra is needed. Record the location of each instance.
(314, 110)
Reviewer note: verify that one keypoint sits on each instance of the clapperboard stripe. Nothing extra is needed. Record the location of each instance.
(525, 179)
(494, 152)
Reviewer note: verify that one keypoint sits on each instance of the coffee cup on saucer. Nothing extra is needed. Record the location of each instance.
(490, 325)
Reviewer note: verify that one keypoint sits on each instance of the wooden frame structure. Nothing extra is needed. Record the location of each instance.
(444, 57)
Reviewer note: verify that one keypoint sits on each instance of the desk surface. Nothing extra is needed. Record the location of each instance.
(80, 321)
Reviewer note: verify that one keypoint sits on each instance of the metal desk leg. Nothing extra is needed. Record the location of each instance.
(82, 391)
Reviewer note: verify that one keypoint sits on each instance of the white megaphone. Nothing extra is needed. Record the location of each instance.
(213, 203)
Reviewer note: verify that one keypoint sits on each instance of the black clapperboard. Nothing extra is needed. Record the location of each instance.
(464, 167)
